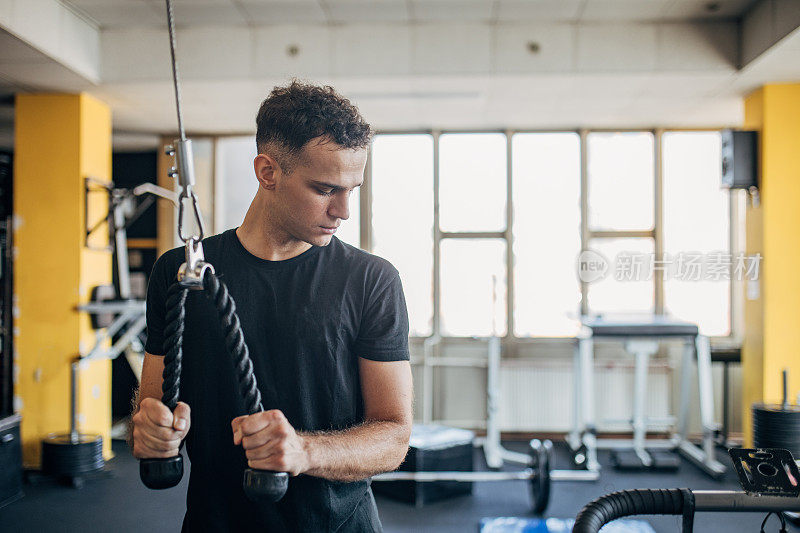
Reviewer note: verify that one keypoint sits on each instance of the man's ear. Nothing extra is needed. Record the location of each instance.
(267, 171)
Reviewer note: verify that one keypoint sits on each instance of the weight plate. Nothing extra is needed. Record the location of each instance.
(790, 418)
(66, 439)
(773, 435)
(777, 426)
(776, 436)
(769, 409)
(61, 456)
(540, 453)
(787, 420)
(777, 420)
(788, 428)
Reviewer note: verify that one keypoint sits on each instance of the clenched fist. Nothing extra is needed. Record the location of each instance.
(157, 432)
(270, 442)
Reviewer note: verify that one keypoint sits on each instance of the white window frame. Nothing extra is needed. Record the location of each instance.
(510, 340)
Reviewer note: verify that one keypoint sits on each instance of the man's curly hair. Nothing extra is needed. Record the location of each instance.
(291, 116)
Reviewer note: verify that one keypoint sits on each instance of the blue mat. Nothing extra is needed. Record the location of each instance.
(555, 525)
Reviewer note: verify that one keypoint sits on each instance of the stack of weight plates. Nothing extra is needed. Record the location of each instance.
(777, 426)
(72, 455)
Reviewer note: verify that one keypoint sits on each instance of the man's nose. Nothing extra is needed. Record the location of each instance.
(340, 206)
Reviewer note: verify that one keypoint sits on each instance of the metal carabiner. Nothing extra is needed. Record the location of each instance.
(184, 172)
(188, 193)
(191, 273)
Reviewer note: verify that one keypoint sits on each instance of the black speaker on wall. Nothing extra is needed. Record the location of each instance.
(739, 159)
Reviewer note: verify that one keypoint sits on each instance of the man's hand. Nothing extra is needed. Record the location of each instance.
(270, 442)
(157, 432)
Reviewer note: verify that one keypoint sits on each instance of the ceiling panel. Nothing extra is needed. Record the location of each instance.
(600, 48)
(208, 14)
(273, 2)
(555, 53)
(697, 9)
(445, 44)
(116, 13)
(452, 10)
(349, 12)
(700, 84)
(312, 51)
(178, 3)
(623, 10)
(107, 3)
(537, 10)
(299, 12)
(356, 51)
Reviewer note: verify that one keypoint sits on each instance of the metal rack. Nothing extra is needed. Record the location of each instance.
(641, 340)
(493, 450)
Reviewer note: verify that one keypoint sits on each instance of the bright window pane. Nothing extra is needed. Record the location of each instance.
(402, 218)
(696, 223)
(203, 152)
(237, 186)
(236, 180)
(473, 287)
(472, 182)
(621, 181)
(547, 211)
(628, 284)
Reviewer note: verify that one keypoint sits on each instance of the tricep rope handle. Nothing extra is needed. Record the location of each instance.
(259, 485)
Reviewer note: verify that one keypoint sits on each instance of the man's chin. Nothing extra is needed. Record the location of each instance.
(319, 240)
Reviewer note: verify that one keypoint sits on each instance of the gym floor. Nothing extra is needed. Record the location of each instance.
(117, 501)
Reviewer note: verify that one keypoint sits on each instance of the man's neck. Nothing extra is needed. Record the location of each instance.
(261, 238)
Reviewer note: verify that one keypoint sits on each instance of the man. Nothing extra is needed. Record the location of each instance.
(326, 326)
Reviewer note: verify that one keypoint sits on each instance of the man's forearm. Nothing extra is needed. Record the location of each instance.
(134, 409)
(357, 453)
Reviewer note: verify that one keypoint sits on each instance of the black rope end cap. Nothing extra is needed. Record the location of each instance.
(265, 485)
(161, 473)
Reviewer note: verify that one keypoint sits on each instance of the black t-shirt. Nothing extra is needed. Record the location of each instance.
(306, 321)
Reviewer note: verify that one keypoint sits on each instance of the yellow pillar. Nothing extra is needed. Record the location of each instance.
(772, 315)
(60, 139)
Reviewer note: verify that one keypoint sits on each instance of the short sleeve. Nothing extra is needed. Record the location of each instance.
(383, 335)
(156, 305)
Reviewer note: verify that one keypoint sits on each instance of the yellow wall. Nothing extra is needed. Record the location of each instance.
(772, 330)
(59, 140)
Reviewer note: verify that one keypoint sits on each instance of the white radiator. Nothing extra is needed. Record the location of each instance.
(537, 395)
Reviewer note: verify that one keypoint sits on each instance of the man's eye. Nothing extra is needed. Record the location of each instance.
(325, 192)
